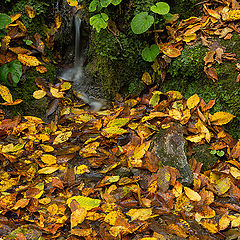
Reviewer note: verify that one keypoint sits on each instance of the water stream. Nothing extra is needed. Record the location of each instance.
(84, 87)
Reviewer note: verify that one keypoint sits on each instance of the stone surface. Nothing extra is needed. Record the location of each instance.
(169, 146)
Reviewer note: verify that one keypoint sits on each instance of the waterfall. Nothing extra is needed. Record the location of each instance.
(85, 87)
(77, 22)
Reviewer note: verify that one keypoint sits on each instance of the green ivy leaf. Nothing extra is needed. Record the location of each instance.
(116, 2)
(141, 22)
(149, 54)
(160, 8)
(105, 3)
(220, 153)
(213, 152)
(13, 68)
(99, 21)
(28, 42)
(95, 5)
(4, 20)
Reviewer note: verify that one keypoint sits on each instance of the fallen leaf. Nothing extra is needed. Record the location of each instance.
(140, 214)
(193, 101)
(39, 94)
(192, 195)
(30, 11)
(221, 118)
(5, 94)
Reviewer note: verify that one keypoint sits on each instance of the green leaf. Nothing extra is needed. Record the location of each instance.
(95, 5)
(28, 42)
(220, 153)
(160, 8)
(105, 3)
(99, 21)
(4, 20)
(116, 2)
(141, 22)
(149, 54)
(168, 16)
(12, 70)
(213, 152)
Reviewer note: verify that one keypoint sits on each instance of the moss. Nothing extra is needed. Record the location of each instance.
(24, 91)
(202, 154)
(36, 24)
(187, 76)
(116, 62)
(185, 8)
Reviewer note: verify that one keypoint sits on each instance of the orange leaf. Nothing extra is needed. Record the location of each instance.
(20, 50)
(15, 17)
(41, 69)
(236, 150)
(172, 52)
(209, 57)
(211, 73)
(17, 101)
(29, 61)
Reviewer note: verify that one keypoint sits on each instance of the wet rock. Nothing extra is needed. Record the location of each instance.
(169, 146)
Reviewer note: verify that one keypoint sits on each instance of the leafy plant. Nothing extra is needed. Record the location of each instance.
(150, 53)
(141, 22)
(4, 20)
(218, 152)
(11, 73)
(99, 21)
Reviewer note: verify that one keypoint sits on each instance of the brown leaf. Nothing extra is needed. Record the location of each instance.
(209, 57)
(39, 43)
(236, 150)
(211, 73)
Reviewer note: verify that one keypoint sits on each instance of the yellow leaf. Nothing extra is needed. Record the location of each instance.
(155, 98)
(146, 78)
(223, 185)
(45, 200)
(62, 137)
(192, 195)
(5, 93)
(49, 159)
(85, 202)
(90, 149)
(189, 38)
(118, 122)
(154, 115)
(47, 148)
(203, 130)
(30, 11)
(140, 150)
(65, 86)
(220, 118)
(39, 94)
(140, 214)
(175, 114)
(82, 169)
(29, 61)
(15, 17)
(195, 138)
(177, 190)
(113, 131)
(72, 3)
(224, 222)
(56, 93)
(48, 170)
(174, 95)
(78, 216)
(235, 222)
(235, 172)
(58, 20)
(193, 101)
(210, 225)
(111, 217)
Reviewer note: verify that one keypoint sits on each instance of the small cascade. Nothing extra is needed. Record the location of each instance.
(83, 85)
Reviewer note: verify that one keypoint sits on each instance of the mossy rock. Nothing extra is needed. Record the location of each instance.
(24, 91)
(202, 154)
(187, 76)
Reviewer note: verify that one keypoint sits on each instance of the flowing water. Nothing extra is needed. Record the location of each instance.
(85, 87)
